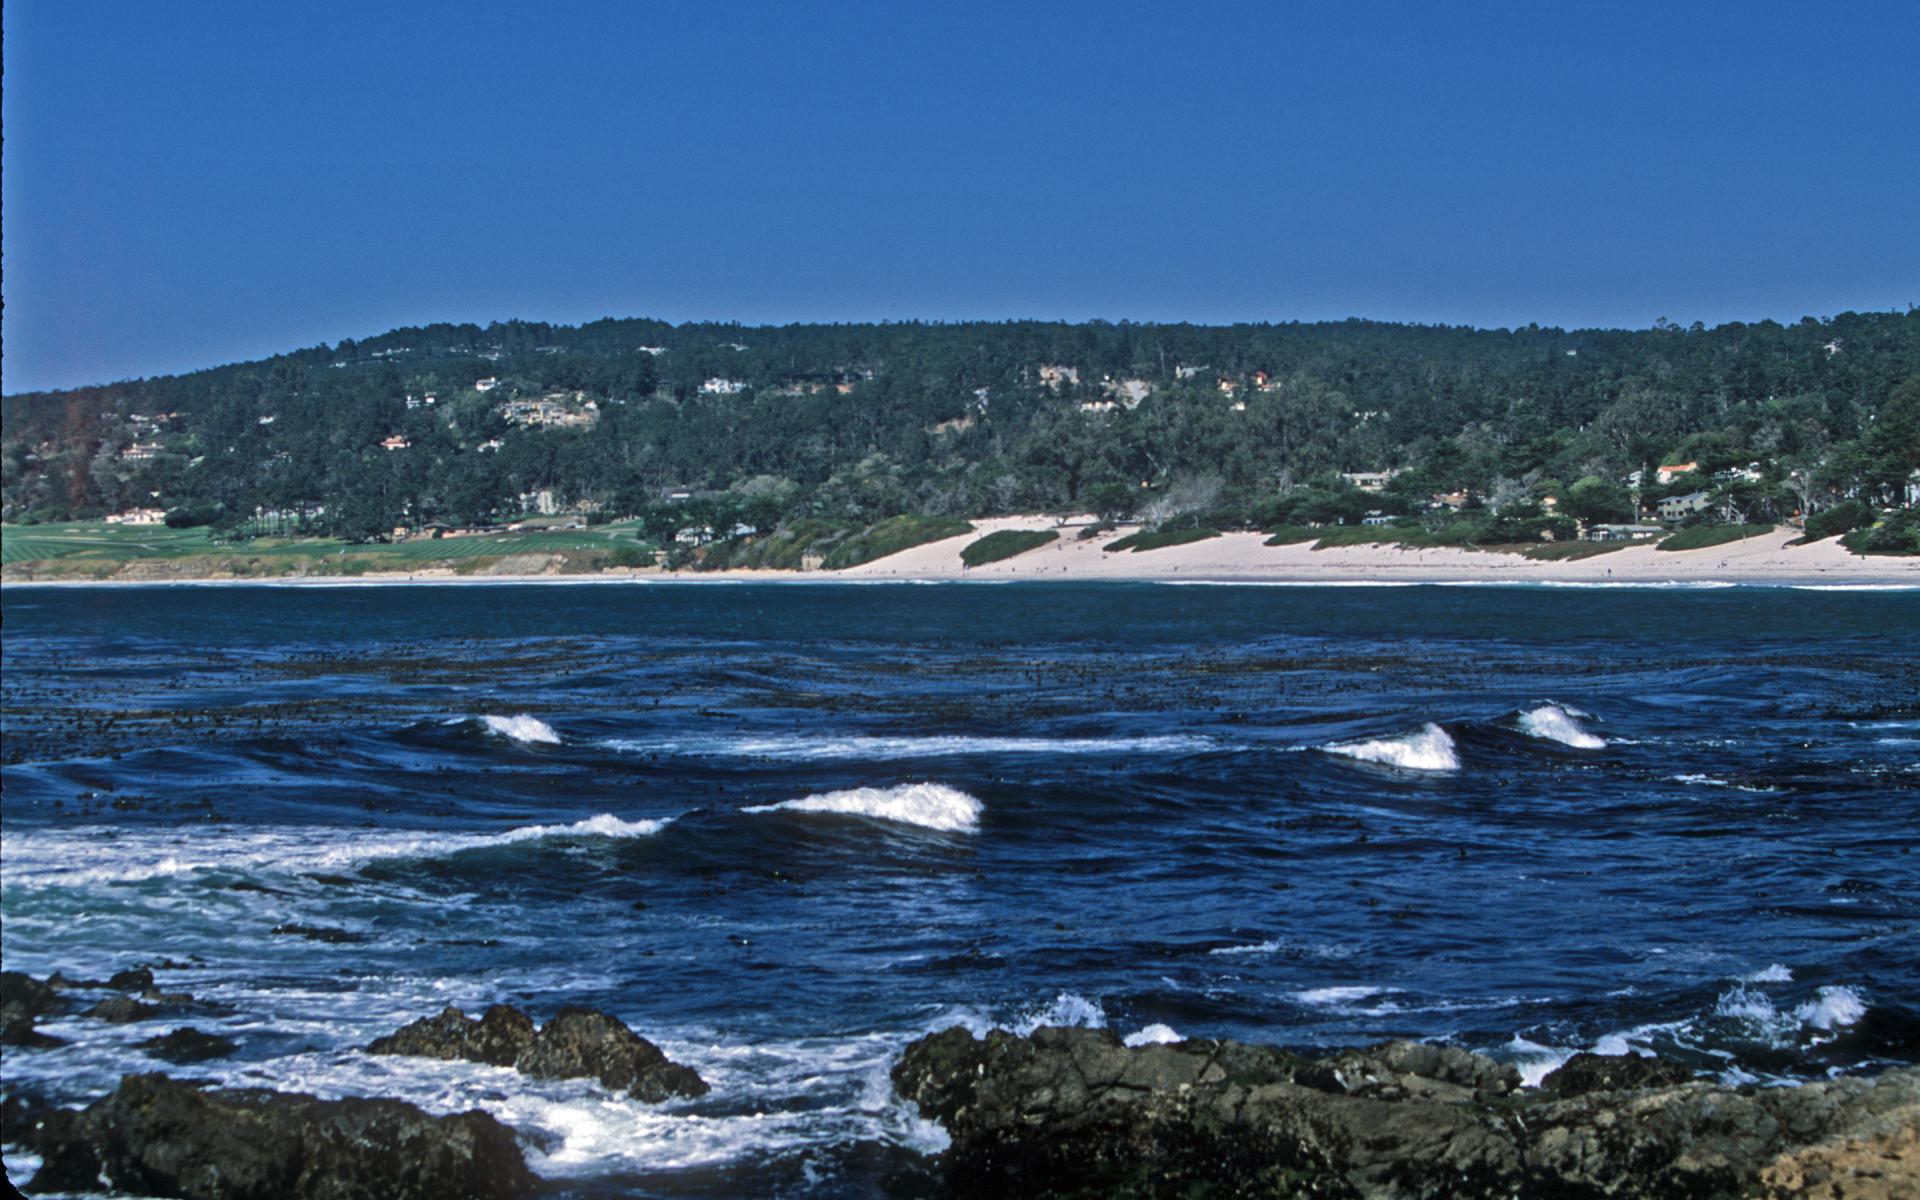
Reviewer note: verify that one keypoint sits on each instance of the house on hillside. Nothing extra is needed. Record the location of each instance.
(1667, 472)
(1622, 533)
(1368, 481)
(1675, 508)
(138, 516)
(141, 451)
(722, 387)
(486, 385)
(396, 442)
(1056, 376)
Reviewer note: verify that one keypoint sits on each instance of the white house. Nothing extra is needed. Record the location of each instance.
(722, 387)
(486, 385)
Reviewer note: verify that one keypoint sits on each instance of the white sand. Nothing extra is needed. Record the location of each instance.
(1244, 558)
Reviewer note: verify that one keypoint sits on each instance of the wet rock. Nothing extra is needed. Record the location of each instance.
(1074, 1112)
(188, 1045)
(139, 979)
(160, 1137)
(584, 1042)
(319, 933)
(121, 1010)
(1584, 1073)
(22, 1035)
(499, 1037)
(578, 1043)
(1882, 1168)
(22, 998)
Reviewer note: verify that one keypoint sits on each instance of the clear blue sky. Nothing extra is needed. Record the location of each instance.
(194, 183)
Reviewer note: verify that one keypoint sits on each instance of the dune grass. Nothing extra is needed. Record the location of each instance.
(1159, 539)
(1005, 544)
(1699, 537)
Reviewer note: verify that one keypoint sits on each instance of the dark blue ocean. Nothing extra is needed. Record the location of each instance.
(783, 829)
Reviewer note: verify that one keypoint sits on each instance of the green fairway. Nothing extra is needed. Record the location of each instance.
(93, 541)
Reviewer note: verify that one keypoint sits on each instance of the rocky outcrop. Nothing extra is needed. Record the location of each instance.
(1074, 1112)
(157, 1136)
(25, 999)
(1585, 1073)
(578, 1043)
(188, 1045)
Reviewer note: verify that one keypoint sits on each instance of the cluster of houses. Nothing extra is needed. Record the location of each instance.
(555, 410)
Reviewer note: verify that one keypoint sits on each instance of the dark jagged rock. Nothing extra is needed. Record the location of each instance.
(1584, 1073)
(161, 1137)
(22, 1035)
(1074, 1112)
(121, 1010)
(586, 1042)
(578, 1043)
(139, 979)
(319, 933)
(23, 998)
(499, 1037)
(188, 1045)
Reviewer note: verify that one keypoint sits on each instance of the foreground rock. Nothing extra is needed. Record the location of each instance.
(578, 1043)
(157, 1136)
(1073, 1112)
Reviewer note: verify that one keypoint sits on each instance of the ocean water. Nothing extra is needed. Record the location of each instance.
(782, 830)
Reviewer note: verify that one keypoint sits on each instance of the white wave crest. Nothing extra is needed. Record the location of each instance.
(1155, 1034)
(1832, 1007)
(521, 728)
(1067, 1009)
(928, 805)
(84, 856)
(1772, 974)
(1556, 724)
(1430, 748)
(1340, 997)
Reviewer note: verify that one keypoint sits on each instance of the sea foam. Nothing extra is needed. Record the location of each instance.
(928, 805)
(1155, 1034)
(1556, 724)
(84, 856)
(1430, 748)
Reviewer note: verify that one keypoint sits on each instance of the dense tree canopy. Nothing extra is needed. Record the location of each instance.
(862, 422)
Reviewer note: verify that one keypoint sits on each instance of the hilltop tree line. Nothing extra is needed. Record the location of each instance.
(856, 423)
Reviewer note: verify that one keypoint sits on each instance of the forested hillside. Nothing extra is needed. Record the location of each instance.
(854, 423)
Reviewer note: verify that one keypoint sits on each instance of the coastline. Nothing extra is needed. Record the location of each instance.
(1229, 559)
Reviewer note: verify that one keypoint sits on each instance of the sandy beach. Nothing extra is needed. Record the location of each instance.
(1241, 558)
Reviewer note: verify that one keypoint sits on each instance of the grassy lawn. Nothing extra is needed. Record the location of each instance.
(1005, 544)
(95, 542)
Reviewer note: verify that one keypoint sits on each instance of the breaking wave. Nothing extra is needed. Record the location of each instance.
(1430, 748)
(92, 855)
(1553, 723)
(928, 805)
(1152, 1035)
(521, 728)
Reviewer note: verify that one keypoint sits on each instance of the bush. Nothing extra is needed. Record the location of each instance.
(1844, 517)
(1159, 538)
(1005, 544)
(630, 556)
(1898, 534)
(1289, 535)
(1699, 537)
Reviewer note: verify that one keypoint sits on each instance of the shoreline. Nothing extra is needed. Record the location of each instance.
(1231, 559)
